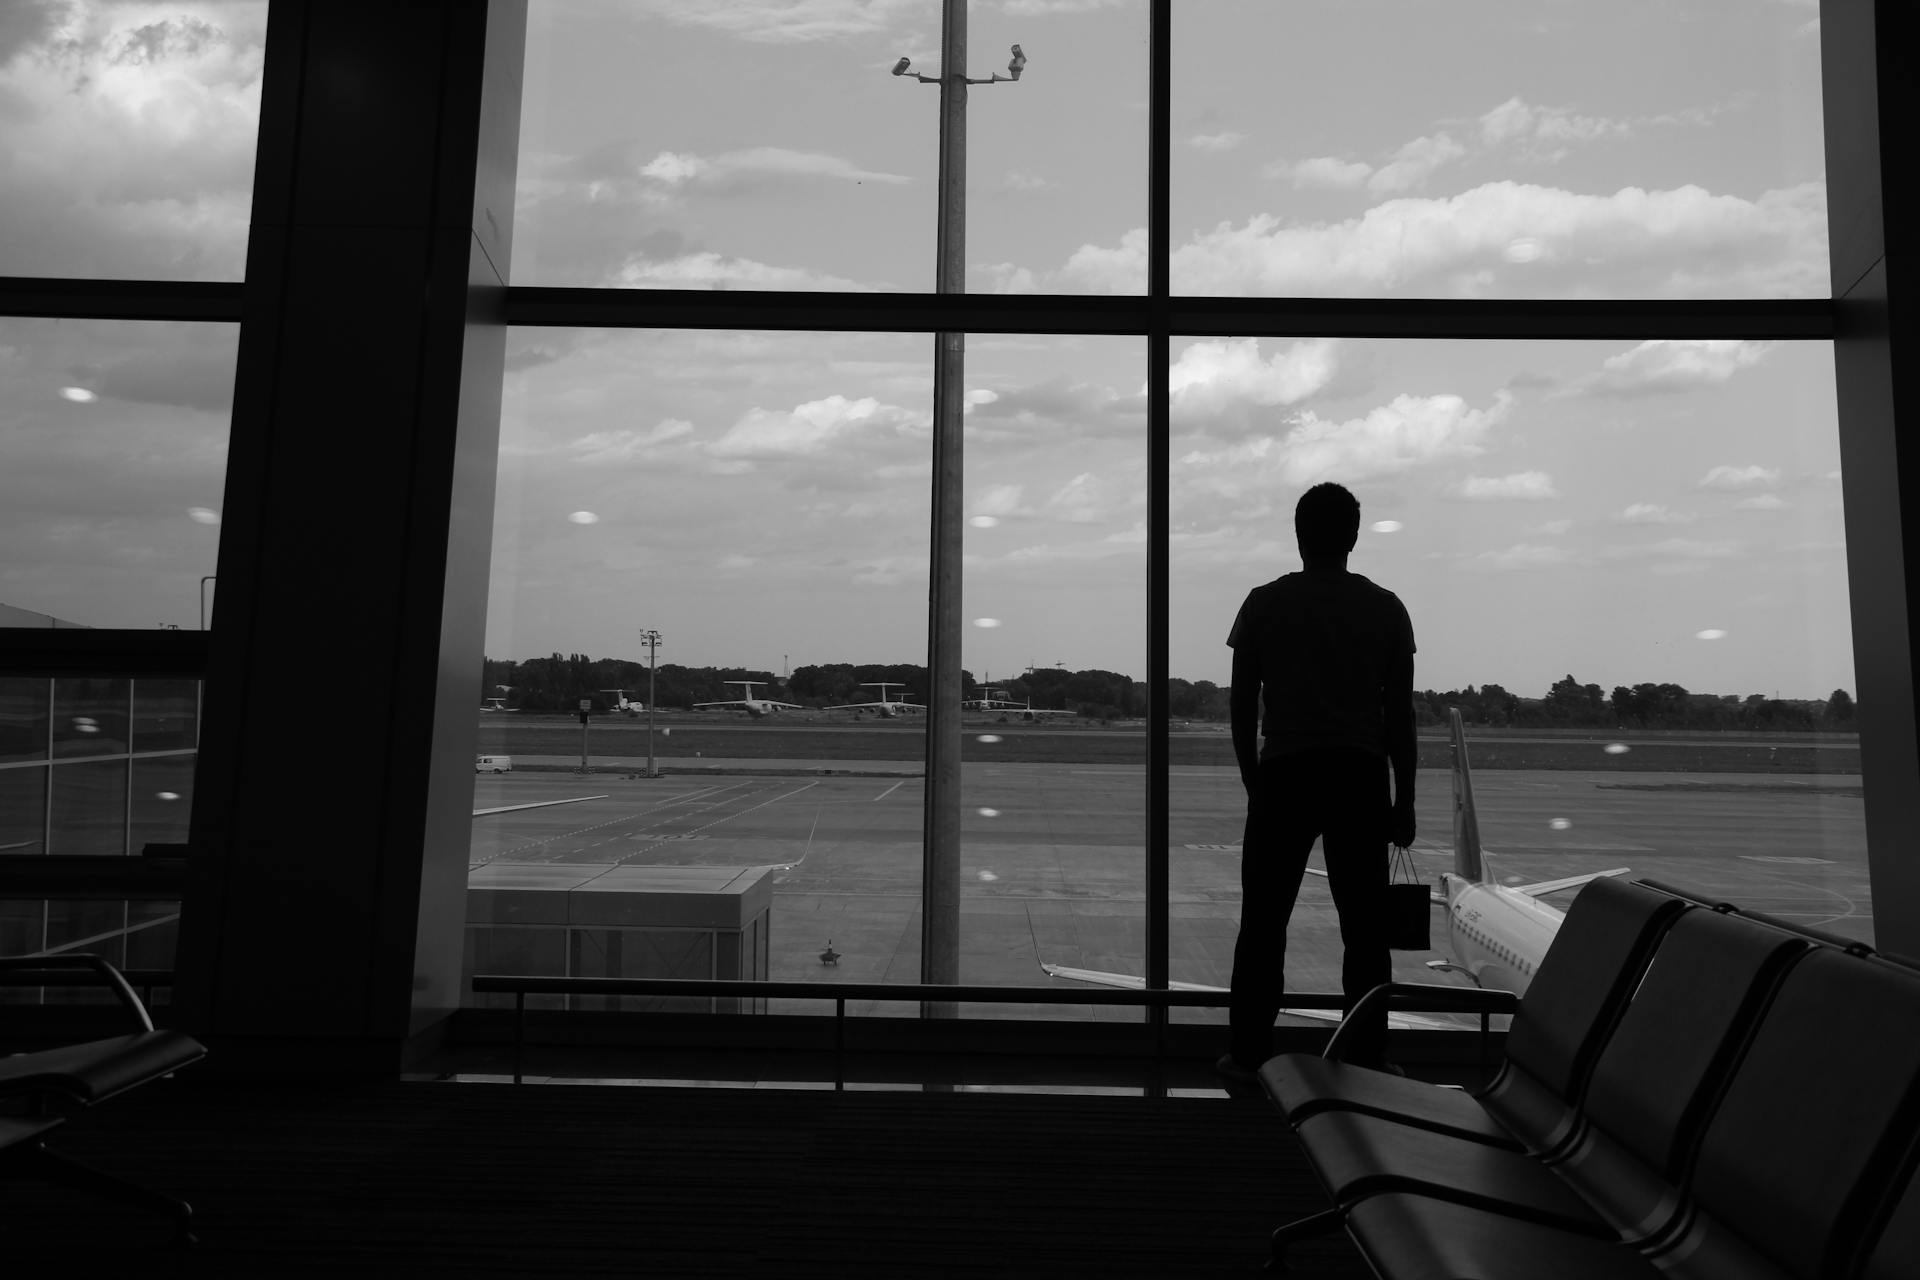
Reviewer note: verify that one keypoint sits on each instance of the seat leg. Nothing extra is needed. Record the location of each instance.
(34, 1159)
(1315, 1224)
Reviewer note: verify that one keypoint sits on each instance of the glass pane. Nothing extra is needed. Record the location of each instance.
(1625, 564)
(165, 715)
(23, 924)
(129, 139)
(90, 717)
(89, 808)
(703, 146)
(1054, 592)
(116, 463)
(1393, 148)
(162, 800)
(761, 501)
(23, 718)
(23, 810)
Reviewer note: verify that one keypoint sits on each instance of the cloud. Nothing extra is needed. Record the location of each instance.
(1672, 364)
(1079, 407)
(1735, 478)
(1686, 242)
(129, 139)
(997, 500)
(1016, 180)
(1521, 486)
(1762, 502)
(750, 170)
(1551, 528)
(709, 270)
(1220, 383)
(834, 423)
(1413, 163)
(1216, 142)
(1544, 133)
(1651, 513)
(1328, 173)
(1407, 432)
(602, 447)
(785, 21)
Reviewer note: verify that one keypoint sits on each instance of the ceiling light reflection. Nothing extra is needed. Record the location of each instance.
(584, 517)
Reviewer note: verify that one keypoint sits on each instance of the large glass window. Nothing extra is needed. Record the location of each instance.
(1390, 148)
(116, 463)
(1624, 563)
(715, 147)
(128, 138)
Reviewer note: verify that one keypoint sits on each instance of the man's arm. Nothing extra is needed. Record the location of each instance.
(1396, 705)
(1243, 703)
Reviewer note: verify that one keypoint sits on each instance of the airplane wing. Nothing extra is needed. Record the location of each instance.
(1566, 882)
(731, 702)
(1134, 982)
(538, 804)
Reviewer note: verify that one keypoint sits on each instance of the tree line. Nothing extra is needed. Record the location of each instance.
(559, 682)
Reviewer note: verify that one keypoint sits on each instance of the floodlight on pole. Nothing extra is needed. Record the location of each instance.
(940, 877)
(650, 638)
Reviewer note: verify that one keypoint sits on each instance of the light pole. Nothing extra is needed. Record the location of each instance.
(940, 878)
(650, 638)
(203, 599)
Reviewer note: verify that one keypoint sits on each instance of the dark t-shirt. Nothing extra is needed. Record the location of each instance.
(1327, 642)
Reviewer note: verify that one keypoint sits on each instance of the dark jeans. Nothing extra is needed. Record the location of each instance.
(1342, 798)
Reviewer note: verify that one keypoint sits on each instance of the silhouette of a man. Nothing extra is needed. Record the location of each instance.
(1328, 655)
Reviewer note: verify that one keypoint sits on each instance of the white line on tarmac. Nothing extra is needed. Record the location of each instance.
(890, 790)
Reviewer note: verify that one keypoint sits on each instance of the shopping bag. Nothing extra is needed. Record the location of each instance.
(1409, 907)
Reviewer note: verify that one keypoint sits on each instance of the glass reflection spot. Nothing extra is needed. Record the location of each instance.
(1617, 748)
(203, 515)
(986, 623)
(984, 522)
(988, 813)
(584, 517)
(1560, 824)
(1711, 633)
(989, 737)
(79, 395)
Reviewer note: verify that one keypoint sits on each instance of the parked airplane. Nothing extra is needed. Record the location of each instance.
(617, 701)
(755, 707)
(997, 701)
(1497, 934)
(882, 707)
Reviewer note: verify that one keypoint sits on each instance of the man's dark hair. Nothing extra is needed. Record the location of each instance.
(1326, 522)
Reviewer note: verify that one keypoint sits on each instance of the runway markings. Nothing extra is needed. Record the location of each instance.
(700, 793)
(728, 817)
(890, 790)
(1793, 862)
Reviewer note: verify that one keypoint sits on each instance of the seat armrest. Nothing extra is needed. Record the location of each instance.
(60, 970)
(1422, 997)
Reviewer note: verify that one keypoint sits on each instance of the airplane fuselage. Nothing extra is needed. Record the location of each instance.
(1495, 935)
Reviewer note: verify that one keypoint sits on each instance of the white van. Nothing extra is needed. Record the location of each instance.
(493, 764)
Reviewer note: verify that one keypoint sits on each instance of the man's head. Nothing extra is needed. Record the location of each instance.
(1326, 522)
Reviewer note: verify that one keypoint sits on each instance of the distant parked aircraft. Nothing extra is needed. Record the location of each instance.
(755, 707)
(1497, 934)
(882, 707)
(617, 700)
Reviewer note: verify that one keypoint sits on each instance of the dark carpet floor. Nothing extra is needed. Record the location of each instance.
(493, 1180)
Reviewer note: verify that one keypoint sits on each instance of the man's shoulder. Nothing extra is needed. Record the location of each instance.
(1368, 587)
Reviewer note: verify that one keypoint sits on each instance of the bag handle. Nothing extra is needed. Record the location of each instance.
(1400, 858)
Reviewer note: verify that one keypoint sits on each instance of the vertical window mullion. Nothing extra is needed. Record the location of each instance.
(1159, 464)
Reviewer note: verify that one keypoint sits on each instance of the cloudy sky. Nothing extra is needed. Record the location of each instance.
(762, 498)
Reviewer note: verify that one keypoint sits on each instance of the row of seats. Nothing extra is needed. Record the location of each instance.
(40, 1090)
(1687, 1091)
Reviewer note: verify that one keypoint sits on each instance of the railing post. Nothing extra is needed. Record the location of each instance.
(839, 1044)
(519, 1030)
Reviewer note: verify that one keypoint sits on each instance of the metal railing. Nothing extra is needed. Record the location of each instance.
(1434, 999)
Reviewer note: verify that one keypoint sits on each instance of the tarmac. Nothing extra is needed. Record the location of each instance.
(1053, 855)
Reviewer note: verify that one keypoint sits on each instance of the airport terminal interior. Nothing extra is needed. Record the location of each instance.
(620, 628)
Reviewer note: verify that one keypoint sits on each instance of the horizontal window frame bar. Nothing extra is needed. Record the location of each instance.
(41, 762)
(540, 306)
(102, 653)
(73, 299)
(1751, 319)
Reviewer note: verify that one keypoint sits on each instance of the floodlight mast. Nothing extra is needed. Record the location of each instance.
(650, 638)
(940, 879)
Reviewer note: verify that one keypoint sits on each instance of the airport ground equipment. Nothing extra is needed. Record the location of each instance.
(1750, 1115)
(51, 1085)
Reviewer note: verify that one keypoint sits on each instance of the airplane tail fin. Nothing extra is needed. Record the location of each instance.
(1466, 822)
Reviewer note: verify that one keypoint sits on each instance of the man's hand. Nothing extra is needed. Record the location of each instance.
(1400, 826)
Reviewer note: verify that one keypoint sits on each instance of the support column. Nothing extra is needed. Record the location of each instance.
(1869, 91)
(332, 808)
